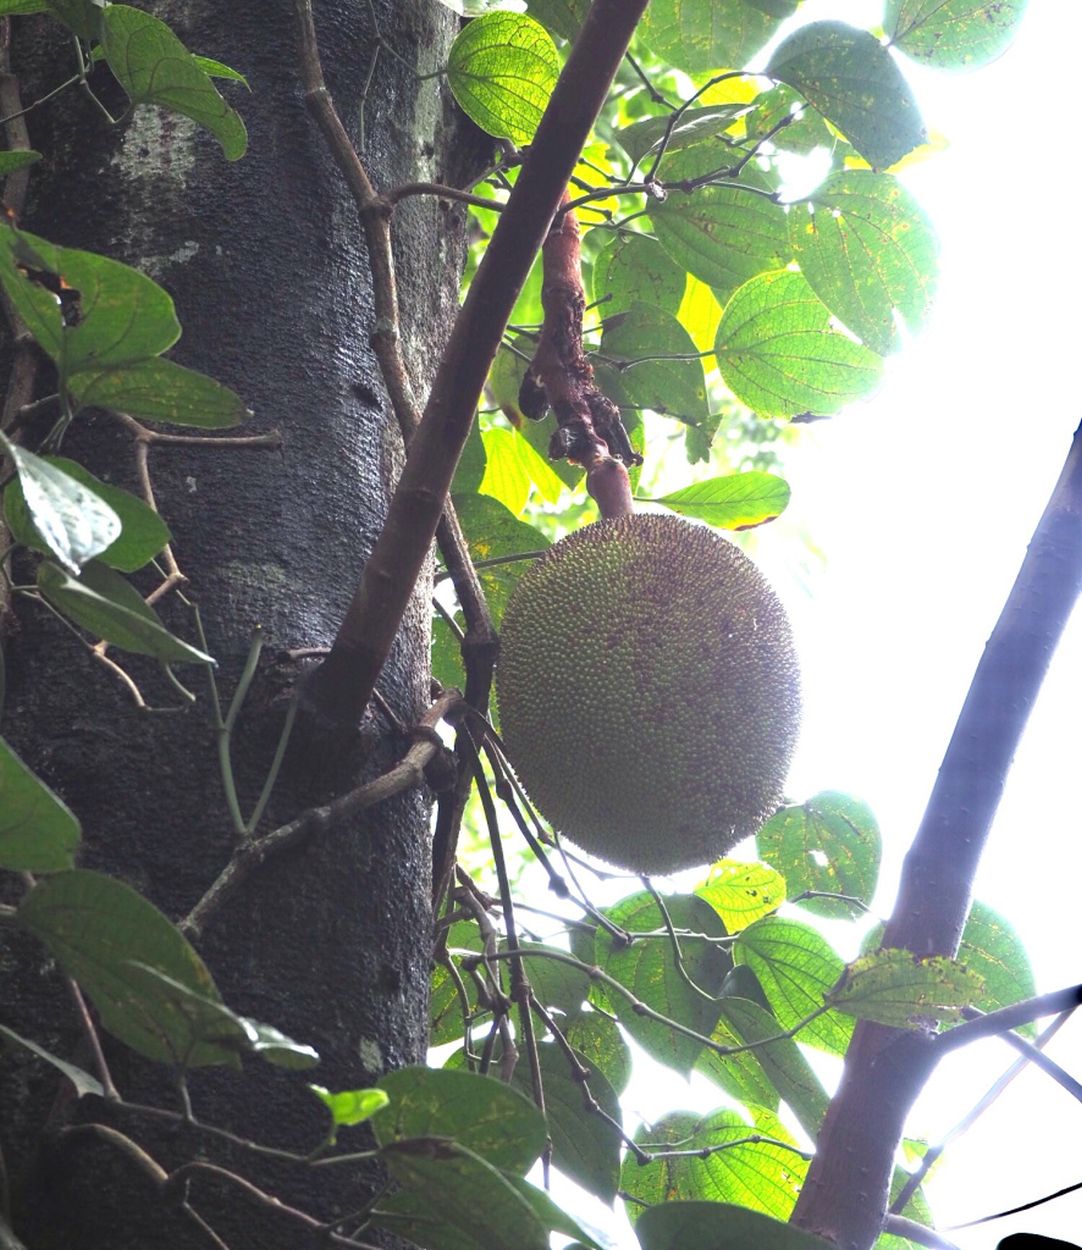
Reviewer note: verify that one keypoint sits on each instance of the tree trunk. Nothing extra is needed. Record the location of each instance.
(266, 262)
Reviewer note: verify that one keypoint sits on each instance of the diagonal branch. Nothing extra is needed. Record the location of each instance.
(342, 686)
(886, 1068)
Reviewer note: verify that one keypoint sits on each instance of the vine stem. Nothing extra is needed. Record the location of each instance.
(343, 685)
(886, 1068)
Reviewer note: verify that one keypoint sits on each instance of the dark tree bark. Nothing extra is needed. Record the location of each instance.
(266, 262)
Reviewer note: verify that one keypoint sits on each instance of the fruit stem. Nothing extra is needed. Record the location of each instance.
(561, 376)
(608, 483)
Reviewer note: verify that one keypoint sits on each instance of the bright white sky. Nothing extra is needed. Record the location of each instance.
(923, 501)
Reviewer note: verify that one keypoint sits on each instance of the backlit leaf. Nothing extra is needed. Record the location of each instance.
(737, 501)
(953, 34)
(742, 893)
(869, 252)
(722, 234)
(797, 968)
(502, 70)
(635, 269)
(992, 948)
(703, 36)
(848, 76)
(829, 845)
(659, 365)
(779, 353)
(898, 988)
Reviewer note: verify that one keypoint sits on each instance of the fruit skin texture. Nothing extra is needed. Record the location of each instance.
(649, 692)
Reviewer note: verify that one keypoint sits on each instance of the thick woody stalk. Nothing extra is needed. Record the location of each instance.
(845, 1195)
(343, 684)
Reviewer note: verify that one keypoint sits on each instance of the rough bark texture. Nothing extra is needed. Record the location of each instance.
(266, 263)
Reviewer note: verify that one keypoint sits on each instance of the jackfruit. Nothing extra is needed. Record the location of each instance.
(649, 692)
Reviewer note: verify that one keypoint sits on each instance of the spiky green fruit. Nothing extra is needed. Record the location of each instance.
(649, 693)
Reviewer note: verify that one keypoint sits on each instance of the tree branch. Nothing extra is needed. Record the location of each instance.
(251, 854)
(886, 1068)
(343, 684)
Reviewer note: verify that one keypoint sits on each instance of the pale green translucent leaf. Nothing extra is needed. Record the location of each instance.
(502, 70)
(953, 34)
(722, 234)
(737, 501)
(742, 893)
(898, 988)
(703, 36)
(780, 354)
(869, 253)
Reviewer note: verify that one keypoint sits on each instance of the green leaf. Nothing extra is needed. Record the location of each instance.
(11, 161)
(84, 1083)
(271, 1045)
(471, 464)
(106, 605)
(756, 1175)
(513, 468)
(635, 269)
(490, 1119)
(742, 893)
(830, 844)
(738, 501)
(216, 69)
(115, 314)
(703, 36)
(648, 968)
(718, 1226)
(154, 67)
(898, 988)
(722, 234)
(16, 8)
(797, 969)
(738, 1074)
(869, 252)
(953, 34)
(100, 930)
(601, 1045)
(37, 831)
(585, 1146)
(848, 76)
(160, 390)
(143, 533)
(637, 342)
(808, 132)
(554, 983)
(779, 353)
(72, 522)
(502, 70)
(562, 17)
(782, 1061)
(350, 1106)
(475, 8)
(83, 17)
(456, 1200)
(992, 949)
(694, 126)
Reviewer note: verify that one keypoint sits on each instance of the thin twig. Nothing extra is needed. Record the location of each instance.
(251, 854)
